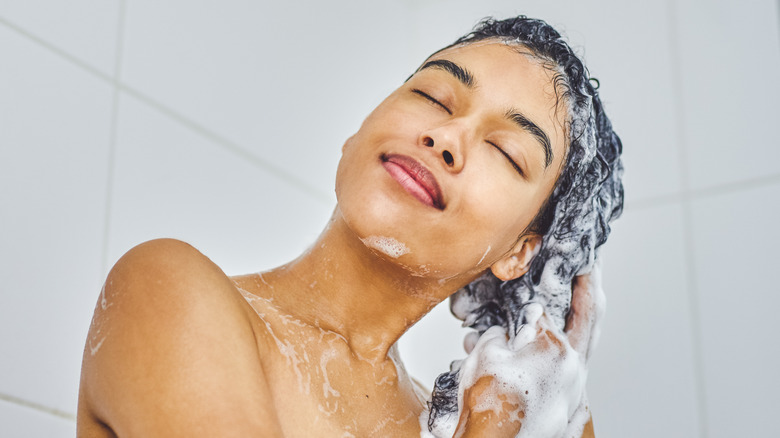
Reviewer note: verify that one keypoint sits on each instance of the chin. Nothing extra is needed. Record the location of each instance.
(375, 216)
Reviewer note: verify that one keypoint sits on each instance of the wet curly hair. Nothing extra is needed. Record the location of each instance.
(574, 221)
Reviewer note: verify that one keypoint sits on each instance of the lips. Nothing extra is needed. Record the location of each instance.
(415, 178)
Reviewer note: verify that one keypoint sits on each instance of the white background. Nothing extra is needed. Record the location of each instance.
(220, 123)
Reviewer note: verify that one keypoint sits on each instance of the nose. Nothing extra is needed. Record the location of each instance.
(447, 144)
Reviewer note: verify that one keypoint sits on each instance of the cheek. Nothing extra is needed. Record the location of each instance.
(351, 175)
(501, 212)
(502, 227)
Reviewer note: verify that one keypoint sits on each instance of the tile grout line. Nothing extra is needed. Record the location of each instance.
(220, 141)
(685, 197)
(639, 204)
(737, 186)
(228, 144)
(56, 50)
(702, 193)
(38, 407)
(113, 132)
(652, 201)
(687, 225)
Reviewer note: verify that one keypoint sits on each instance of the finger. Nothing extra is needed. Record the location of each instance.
(523, 337)
(470, 341)
(530, 315)
(578, 320)
(587, 306)
(494, 335)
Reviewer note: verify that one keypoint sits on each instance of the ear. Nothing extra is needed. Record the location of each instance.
(517, 262)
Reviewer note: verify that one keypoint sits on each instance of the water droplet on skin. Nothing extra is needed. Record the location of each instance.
(93, 349)
(484, 255)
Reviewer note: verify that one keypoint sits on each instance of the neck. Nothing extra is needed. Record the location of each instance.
(343, 286)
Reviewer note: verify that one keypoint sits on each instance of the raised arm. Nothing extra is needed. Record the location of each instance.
(171, 352)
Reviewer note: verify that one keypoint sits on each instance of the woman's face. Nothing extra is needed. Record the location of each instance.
(446, 173)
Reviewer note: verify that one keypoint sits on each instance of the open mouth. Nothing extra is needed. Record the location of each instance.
(415, 178)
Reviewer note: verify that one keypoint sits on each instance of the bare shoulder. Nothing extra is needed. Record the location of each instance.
(171, 351)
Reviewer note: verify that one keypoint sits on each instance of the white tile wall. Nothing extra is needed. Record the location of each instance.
(284, 80)
(54, 137)
(171, 182)
(735, 240)
(214, 92)
(22, 422)
(644, 365)
(730, 62)
(85, 29)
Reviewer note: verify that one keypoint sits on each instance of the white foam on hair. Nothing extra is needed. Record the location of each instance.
(549, 380)
(386, 245)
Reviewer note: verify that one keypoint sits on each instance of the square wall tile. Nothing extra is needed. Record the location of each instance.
(730, 61)
(736, 239)
(85, 29)
(171, 182)
(644, 362)
(289, 90)
(54, 145)
(626, 45)
(23, 422)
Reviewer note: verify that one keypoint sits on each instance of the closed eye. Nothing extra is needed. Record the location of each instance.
(511, 161)
(431, 99)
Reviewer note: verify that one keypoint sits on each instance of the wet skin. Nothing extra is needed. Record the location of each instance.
(177, 348)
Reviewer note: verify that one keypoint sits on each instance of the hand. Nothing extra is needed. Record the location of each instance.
(532, 384)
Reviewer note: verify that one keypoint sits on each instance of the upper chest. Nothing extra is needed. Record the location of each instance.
(320, 388)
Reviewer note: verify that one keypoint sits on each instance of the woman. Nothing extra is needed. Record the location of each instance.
(449, 177)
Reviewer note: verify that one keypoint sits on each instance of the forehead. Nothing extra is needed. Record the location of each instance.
(509, 75)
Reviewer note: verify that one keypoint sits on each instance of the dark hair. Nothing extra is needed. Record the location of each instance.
(574, 221)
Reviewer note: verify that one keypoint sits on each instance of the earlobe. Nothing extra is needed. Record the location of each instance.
(518, 261)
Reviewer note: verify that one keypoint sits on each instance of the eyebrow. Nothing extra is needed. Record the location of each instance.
(526, 124)
(461, 74)
(466, 78)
